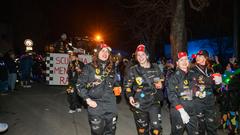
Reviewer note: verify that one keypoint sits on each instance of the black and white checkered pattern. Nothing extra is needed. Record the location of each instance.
(49, 70)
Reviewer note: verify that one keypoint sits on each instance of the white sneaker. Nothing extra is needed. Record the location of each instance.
(3, 127)
(28, 86)
(78, 109)
(71, 111)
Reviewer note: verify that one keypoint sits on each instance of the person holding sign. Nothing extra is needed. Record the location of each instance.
(96, 88)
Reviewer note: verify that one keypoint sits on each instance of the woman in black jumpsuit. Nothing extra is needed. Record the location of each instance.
(96, 88)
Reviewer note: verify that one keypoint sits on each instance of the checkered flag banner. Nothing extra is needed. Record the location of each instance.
(56, 72)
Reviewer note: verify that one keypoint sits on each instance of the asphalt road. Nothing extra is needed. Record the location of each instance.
(43, 110)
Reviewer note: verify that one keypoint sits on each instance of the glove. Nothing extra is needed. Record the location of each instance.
(184, 115)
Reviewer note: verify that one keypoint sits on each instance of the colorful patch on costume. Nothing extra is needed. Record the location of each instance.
(139, 80)
(97, 71)
(185, 82)
(128, 90)
(200, 79)
(142, 95)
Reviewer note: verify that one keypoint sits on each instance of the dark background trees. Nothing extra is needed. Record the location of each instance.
(176, 21)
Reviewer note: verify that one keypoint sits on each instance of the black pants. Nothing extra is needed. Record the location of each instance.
(74, 100)
(176, 121)
(149, 121)
(206, 113)
(103, 125)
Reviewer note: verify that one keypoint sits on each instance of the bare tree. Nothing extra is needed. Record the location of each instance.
(149, 20)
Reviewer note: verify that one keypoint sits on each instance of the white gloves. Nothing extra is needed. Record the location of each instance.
(201, 94)
(184, 115)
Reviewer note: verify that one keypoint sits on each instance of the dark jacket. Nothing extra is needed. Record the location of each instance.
(204, 83)
(136, 85)
(101, 93)
(3, 70)
(179, 87)
(72, 73)
(12, 66)
(26, 63)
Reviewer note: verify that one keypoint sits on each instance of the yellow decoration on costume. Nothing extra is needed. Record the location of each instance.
(97, 71)
(139, 80)
(225, 117)
(185, 82)
(233, 120)
(200, 79)
(155, 132)
(117, 91)
(128, 90)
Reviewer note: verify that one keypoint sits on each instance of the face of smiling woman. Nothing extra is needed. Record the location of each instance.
(201, 60)
(183, 63)
(141, 57)
(103, 54)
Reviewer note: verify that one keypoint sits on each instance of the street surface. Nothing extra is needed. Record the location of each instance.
(43, 110)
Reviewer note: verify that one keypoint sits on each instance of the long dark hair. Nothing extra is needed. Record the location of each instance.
(109, 65)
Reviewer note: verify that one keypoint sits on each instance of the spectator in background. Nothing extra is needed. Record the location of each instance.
(12, 70)
(3, 75)
(25, 69)
(75, 67)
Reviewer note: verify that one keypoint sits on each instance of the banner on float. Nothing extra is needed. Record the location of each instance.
(57, 64)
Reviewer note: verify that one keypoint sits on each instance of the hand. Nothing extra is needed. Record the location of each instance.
(78, 69)
(132, 101)
(184, 115)
(91, 103)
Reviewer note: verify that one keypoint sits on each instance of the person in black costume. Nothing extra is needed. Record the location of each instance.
(180, 95)
(205, 84)
(75, 67)
(96, 88)
(143, 84)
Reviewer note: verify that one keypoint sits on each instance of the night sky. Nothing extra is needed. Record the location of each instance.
(45, 20)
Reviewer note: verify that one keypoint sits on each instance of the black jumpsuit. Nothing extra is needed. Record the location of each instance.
(73, 99)
(103, 118)
(180, 93)
(148, 114)
(205, 105)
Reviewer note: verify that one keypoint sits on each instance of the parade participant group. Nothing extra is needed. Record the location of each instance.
(190, 91)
